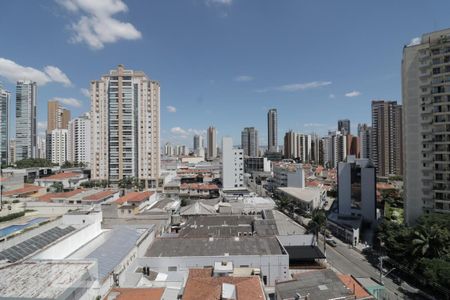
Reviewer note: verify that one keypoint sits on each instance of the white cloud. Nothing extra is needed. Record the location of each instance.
(178, 131)
(314, 125)
(219, 2)
(42, 125)
(353, 94)
(97, 26)
(332, 96)
(69, 101)
(14, 72)
(294, 87)
(415, 41)
(171, 109)
(57, 75)
(85, 92)
(243, 78)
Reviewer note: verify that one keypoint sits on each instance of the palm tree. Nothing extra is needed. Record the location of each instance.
(318, 221)
(430, 242)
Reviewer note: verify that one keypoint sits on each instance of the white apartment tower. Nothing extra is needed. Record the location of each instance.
(426, 125)
(125, 127)
(79, 140)
(26, 94)
(59, 146)
(4, 126)
(232, 165)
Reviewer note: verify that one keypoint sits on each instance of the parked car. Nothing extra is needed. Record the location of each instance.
(331, 242)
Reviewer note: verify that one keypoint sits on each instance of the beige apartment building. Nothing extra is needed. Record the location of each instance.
(426, 120)
(125, 127)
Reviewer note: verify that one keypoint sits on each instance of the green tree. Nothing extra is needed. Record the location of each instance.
(57, 187)
(33, 163)
(126, 183)
(318, 222)
(430, 242)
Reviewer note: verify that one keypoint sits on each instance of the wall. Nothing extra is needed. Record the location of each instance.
(275, 267)
(344, 188)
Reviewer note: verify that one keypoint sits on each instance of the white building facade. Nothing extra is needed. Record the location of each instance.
(426, 125)
(232, 165)
(125, 127)
(59, 146)
(79, 140)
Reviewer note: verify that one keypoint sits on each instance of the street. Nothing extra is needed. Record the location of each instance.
(348, 261)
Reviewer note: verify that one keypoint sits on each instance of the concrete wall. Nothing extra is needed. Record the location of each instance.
(275, 267)
(368, 194)
(344, 188)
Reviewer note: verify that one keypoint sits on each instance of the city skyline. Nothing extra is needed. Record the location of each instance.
(244, 77)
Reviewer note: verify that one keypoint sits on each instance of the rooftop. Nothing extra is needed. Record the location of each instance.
(41, 279)
(304, 194)
(319, 285)
(109, 248)
(62, 176)
(34, 244)
(217, 226)
(102, 195)
(174, 247)
(198, 208)
(199, 186)
(200, 285)
(64, 195)
(352, 284)
(135, 197)
(135, 294)
(27, 189)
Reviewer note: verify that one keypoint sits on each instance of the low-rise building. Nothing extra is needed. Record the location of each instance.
(288, 175)
(67, 179)
(305, 199)
(201, 190)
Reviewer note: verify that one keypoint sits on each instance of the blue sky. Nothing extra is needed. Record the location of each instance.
(220, 62)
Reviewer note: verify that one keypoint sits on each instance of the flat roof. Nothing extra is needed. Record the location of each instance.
(110, 248)
(304, 252)
(217, 226)
(34, 244)
(41, 279)
(177, 247)
(286, 225)
(319, 285)
(304, 194)
(135, 294)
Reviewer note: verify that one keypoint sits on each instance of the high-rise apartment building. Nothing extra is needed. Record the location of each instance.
(249, 141)
(57, 118)
(4, 125)
(365, 143)
(79, 140)
(12, 151)
(290, 145)
(41, 146)
(344, 126)
(387, 145)
(334, 148)
(426, 119)
(198, 142)
(272, 130)
(232, 165)
(26, 94)
(168, 149)
(125, 127)
(212, 143)
(59, 146)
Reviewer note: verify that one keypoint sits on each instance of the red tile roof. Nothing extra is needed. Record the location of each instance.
(199, 186)
(27, 189)
(135, 197)
(100, 195)
(353, 285)
(64, 195)
(135, 294)
(385, 186)
(313, 183)
(200, 285)
(62, 176)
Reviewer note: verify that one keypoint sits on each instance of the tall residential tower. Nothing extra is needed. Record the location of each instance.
(26, 94)
(426, 119)
(272, 130)
(249, 141)
(212, 143)
(125, 127)
(4, 125)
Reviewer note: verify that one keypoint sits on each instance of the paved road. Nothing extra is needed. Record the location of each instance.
(349, 261)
